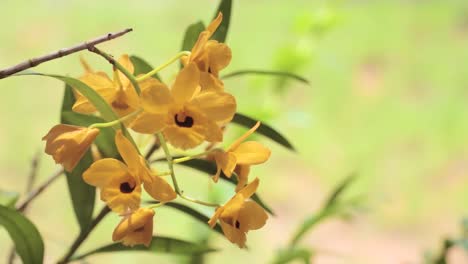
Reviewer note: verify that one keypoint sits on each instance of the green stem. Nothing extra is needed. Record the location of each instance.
(119, 66)
(164, 65)
(187, 158)
(117, 121)
(170, 164)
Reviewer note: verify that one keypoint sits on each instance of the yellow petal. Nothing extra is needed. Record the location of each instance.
(186, 128)
(155, 96)
(242, 172)
(125, 61)
(236, 143)
(251, 216)
(226, 161)
(219, 56)
(213, 132)
(251, 153)
(67, 144)
(215, 217)
(199, 47)
(147, 123)
(215, 24)
(112, 194)
(217, 106)
(249, 189)
(128, 151)
(136, 228)
(209, 82)
(186, 84)
(159, 189)
(232, 207)
(104, 170)
(233, 234)
(85, 65)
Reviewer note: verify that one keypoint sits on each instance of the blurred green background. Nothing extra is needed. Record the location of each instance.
(388, 100)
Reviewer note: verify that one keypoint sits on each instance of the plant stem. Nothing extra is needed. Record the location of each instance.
(83, 235)
(164, 65)
(119, 66)
(117, 121)
(183, 159)
(58, 54)
(173, 177)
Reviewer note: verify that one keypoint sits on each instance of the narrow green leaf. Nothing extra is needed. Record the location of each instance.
(264, 129)
(8, 199)
(142, 67)
(96, 99)
(262, 72)
(195, 214)
(289, 255)
(158, 245)
(308, 224)
(191, 35)
(209, 168)
(81, 194)
(335, 195)
(221, 33)
(27, 239)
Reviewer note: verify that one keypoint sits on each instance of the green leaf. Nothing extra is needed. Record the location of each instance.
(82, 194)
(224, 7)
(191, 35)
(209, 168)
(8, 199)
(264, 129)
(142, 67)
(27, 239)
(335, 195)
(291, 254)
(262, 72)
(158, 245)
(101, 105)
(195, 214)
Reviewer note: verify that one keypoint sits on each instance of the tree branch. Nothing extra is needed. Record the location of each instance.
(33, 194)
(60, 53)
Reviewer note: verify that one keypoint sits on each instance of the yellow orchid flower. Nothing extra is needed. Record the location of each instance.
(119, 93)
(240, 215)
(240, 155)
(210, 56)
(186, 115)
(120, 183)
(67, 144)
(135, 228)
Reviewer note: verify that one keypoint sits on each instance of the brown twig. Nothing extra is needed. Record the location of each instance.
(60, 53)
(34, 193)
(83, 235)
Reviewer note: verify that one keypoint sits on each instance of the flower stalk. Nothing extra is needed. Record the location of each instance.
(164, 65)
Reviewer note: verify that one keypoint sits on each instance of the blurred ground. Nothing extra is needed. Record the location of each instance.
(388, 101)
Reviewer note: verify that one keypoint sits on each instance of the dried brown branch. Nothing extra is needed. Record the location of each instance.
(60, 53)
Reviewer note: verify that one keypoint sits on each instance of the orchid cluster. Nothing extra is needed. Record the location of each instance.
(193, 110)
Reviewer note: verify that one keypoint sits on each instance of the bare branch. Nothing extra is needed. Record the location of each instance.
(60, 53)
(33, 194)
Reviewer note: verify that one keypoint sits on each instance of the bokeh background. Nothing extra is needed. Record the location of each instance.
(388, 101)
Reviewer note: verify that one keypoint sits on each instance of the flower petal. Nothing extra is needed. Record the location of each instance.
(219, 56)
(209, 82)
(251, 153)
(251, 216)
(215, 24)
(128, 151)
(104, 170)
(125, 61)
(249, 189)
(136, 228)
(242, 172)
(155, 96)
(217, 106)
(186, 84)
(147, 123)
(233, 234)
(160, 189)
(226, 161)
